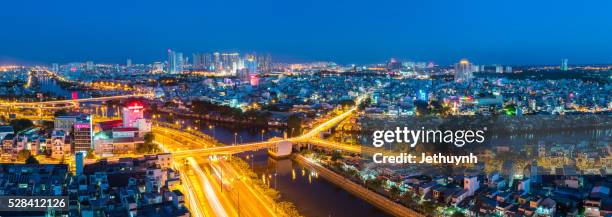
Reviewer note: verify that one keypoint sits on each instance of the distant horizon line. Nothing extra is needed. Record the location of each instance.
(310, 62)
(8, 61)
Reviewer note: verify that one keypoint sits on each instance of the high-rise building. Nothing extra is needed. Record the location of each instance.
(207, 61)
(158, 67)
(129, 63)
(171, 62)
(564, 65)
(180, 62)
(394, 64)
(216, 61)
(197, 61)
(73, 67)
(55, 67)
(508, 69)
(264, 63)
(463, 71)
(499, 69)
(230, 62)
(89, 66)
(132, 113)
(83, 134)
(243, 75)
(430, 64)
(250, 63)
(475, 68)
(175, 62)
(202, 61)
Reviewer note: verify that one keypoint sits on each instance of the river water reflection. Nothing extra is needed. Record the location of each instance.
(312, 195)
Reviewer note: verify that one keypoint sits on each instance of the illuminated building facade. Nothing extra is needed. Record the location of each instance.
(83, 134)
(250, 63)
(264, 63)
(175, 62)
(216, 61)
(202, 61)
(463, 71)
(132, 113)
(254, 80)
(230, 62)
(55, 67)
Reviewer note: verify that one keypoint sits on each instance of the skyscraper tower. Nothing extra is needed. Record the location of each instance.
(264, 63)
(394, 64)
(564, 65)
(250, 63)
(230, 62)
(463, 71)
(202, 61)
(171, 62)
(129, 63)
(206, 61)
(197, 61)
(55, 67)
(499, 69)
(216, 62)
(89, 66)
(180, 62)
(175, 62)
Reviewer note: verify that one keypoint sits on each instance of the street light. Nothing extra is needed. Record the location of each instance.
(213, 129)
(262, 132)
(275, 187)
(235, 137)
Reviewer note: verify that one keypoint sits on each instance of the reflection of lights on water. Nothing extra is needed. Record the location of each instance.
(292, 174)
(309, 179)
(263, 178)
(303, 172)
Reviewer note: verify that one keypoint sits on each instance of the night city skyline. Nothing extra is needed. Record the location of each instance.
(487, 32)
(280, 108)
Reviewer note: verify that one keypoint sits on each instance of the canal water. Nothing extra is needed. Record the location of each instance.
(50, 86)
(312, 195)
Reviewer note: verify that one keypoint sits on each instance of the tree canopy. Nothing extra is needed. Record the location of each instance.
(21, 124)
(31, 160)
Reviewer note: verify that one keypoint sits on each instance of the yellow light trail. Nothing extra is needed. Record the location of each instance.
(74, 100)
(209, 192)
(193, 201)
(252, 192)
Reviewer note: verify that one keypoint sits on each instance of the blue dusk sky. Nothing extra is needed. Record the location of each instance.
(345, 31)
